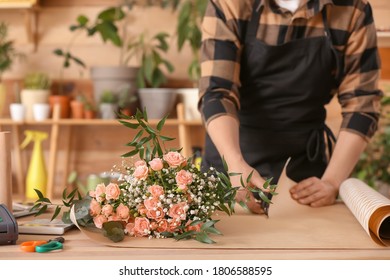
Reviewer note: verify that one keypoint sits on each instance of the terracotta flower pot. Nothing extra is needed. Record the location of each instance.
(63, 101)
(77, 109)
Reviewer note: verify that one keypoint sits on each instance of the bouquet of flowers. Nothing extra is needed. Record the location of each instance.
(161, 195)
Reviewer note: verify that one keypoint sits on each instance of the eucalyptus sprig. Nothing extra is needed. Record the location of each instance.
(148, 142)
(68, 200)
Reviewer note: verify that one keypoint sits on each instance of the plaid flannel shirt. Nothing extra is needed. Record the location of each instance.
(353, 35)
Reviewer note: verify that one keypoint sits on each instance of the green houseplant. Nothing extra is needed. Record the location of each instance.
(188, 32)
(8, 54)
(111, 26)
(108, 105)
(36, 90)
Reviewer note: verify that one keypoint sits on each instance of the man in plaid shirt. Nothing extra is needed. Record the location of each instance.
(268, 69)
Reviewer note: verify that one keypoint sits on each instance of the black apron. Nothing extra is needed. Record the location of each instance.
(283, 93)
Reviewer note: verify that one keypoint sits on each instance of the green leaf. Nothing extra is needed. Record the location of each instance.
(161, 123)
(225, 165)
(39, 193)
(185, 235)
(130, 154)
(166, 138)
(58, 52)
(82, 20)
(72, 178)
(42, 210)
(249, 177)
(56, 212)
(209, 224)
(212, 230)
(264, 197)
(243, 205)
(204, 238)
(129, 124)
(112, 14)
(72, 194)
(109, 32)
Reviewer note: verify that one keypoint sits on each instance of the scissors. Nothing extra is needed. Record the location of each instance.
(42, 246)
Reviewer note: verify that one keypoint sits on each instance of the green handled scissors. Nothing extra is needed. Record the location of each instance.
(42, 246)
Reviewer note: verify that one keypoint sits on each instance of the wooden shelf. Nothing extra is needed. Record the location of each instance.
(56, 124)
(17, 4)
(30, 8)
(92, 122)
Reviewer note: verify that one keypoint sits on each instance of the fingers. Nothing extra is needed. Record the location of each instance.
(251, 203)
(314, 192)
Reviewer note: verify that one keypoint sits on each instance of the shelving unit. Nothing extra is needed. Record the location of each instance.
(30, 9)
(56, 125)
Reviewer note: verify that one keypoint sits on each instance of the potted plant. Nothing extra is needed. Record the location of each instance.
(127, 101)
(111, 25)
(7, 56)
(188, 31)
(36, 90)
(108, 105)
(149, 52)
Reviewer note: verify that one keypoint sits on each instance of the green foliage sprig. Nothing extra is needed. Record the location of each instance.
(7, 50)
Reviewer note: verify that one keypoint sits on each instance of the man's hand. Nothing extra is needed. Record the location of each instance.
(314, 192)
(252, 204)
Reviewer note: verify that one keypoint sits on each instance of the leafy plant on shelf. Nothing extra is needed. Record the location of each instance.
(149, 51)
(161, 194)
(7, 51)
(37, 80)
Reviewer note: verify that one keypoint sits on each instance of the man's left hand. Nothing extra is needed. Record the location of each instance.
(314, 192)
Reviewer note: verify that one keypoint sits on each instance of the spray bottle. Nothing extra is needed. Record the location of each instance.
(36, 174)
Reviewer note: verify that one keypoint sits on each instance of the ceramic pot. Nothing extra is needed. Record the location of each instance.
(115, 79)
(107, 110)
(29, 97)
(17, 112)
(158, 102)
(189, 97)
(41, 111)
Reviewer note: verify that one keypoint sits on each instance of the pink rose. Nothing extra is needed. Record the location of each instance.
(100, 192)
(183, 177)
(130, 229)
(141, 172)
(153, 225)
(156, 215)
(183, 188)
(178, 211)
(156, 191)
(140, 163)
(114, 217)
(107, 210)
(173, 226)
(112, 191)
(99, 220)
(123, 211)
(151, 203)
(156, 164)
(195, 227)
(162, 226)
(141, 227)
(174, 159)
(94, 208)
(142, 210)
